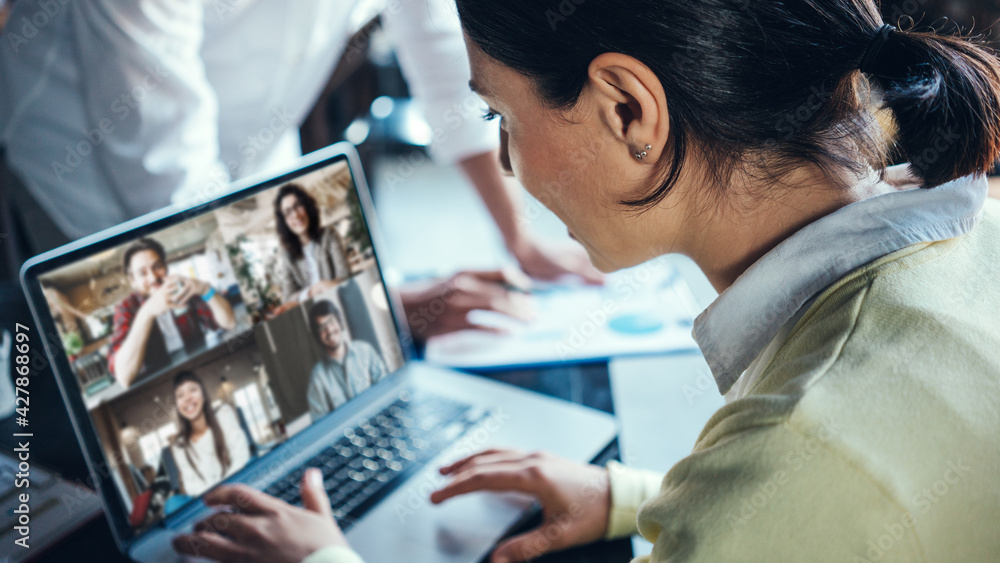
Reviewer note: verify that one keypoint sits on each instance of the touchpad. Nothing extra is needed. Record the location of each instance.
(464, 528)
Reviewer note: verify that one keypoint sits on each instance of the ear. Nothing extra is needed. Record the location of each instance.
(631, 104)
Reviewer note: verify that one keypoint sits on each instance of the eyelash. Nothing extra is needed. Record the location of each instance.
(490, 115)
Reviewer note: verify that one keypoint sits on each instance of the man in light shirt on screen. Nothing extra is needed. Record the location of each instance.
(348, 366)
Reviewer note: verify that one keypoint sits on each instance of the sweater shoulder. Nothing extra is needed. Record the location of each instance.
(905, 300)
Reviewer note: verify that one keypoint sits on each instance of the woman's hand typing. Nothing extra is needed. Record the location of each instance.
(575, 498)
(263, 528)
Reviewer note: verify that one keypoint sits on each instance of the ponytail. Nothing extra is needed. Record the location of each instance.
(944, 92)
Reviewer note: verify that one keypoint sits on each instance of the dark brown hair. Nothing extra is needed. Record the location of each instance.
(764, 87)
(139, 246)
(289, 240)
(184, 436)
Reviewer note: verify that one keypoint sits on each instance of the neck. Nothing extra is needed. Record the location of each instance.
(304, 238)
(337, 353)
(756, 218)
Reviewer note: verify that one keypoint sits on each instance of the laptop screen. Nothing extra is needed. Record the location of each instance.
(203, 345)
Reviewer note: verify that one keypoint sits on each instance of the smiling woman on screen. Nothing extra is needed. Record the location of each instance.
(211, 445)
(313, 257)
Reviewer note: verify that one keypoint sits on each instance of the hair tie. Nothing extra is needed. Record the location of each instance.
(874, 48)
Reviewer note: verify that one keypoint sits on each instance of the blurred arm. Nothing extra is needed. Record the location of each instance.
(146, 91)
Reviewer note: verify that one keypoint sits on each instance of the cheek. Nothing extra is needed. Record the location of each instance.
(561, 176)
(540, 167)
(568, 172)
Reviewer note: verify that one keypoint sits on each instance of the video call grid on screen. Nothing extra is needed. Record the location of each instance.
(225, 297)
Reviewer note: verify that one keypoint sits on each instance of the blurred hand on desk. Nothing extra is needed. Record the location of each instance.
(443, 306)
(546, 262)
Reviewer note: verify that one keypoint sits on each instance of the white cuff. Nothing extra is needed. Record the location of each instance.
(629, 489)
(334, 554)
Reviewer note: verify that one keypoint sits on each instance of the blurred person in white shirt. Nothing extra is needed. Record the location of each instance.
(112, 109)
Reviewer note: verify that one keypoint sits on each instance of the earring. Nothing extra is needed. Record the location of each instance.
(642, 155)
(649, 147)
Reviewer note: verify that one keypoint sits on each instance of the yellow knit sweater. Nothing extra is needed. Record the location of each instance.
(873, 433)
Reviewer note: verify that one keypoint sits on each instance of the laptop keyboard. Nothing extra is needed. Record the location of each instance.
(380, 452)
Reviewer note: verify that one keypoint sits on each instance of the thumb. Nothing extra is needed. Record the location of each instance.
(529, 545)
(314, 497)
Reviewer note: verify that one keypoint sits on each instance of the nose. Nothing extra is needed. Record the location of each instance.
(505, 154)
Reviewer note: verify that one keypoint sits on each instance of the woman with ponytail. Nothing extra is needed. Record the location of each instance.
(856, 335)
(210, 445)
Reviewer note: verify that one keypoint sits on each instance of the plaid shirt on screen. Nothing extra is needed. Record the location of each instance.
(125, 312)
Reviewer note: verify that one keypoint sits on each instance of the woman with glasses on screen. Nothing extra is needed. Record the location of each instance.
(210, 444)
(855, 335)
(313, 258)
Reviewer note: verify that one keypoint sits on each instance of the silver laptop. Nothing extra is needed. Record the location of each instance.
(192, 347)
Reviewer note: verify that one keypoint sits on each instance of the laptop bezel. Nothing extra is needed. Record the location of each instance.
(101, 477)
